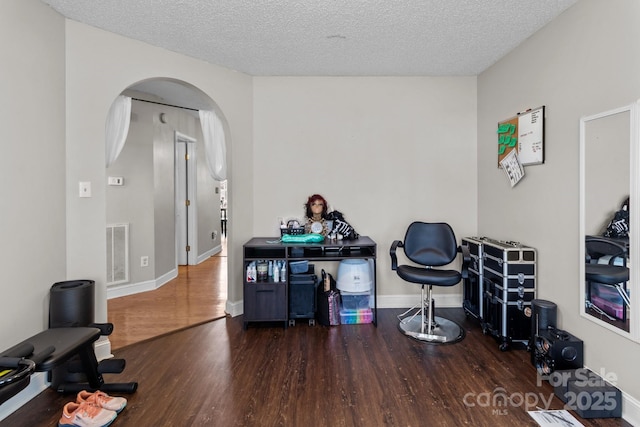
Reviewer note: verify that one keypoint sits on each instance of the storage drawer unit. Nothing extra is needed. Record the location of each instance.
(302, 296)
(509, 280)
(350, 317)
(265, 299)
(265, 302)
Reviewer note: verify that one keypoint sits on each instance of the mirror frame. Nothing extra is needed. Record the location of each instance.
(634, 219)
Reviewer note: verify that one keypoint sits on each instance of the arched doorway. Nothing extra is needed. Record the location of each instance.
(163, 113)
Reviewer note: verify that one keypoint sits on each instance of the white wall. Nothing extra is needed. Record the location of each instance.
(58, 80)
(32, 165)
(584, 62)
(383, 151)
(100, 65)
(32, 168)
(133, 202)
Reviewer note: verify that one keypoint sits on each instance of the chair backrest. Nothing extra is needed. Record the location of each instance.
(430, 244)
(596, 247)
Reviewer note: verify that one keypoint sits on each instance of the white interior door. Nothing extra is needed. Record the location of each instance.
(186, 202)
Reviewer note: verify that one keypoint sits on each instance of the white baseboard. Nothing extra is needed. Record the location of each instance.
(136, 288)
(406, 301)
(234, 308)
(630, 409)
(102, 348)
(208, 254)
(123, 290)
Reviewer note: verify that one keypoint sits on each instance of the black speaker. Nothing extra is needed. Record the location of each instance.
(555, 349)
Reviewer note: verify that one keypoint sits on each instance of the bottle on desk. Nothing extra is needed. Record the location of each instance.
(276, 272)
(251, 272)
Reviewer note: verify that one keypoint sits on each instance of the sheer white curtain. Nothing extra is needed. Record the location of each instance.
(214, 144)
(117, 127)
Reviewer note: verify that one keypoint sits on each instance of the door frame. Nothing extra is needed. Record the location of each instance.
(186, 173)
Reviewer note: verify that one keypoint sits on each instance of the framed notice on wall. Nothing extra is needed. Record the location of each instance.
(523, 134)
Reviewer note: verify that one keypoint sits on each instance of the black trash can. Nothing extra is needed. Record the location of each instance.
(72, 304)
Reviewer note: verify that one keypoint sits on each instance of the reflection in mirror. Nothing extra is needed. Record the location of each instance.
(608, 143)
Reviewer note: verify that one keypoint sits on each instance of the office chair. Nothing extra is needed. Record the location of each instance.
(429, 245)
(606, 264)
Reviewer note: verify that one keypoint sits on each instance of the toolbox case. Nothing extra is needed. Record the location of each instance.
(509, 286)
(473, 286)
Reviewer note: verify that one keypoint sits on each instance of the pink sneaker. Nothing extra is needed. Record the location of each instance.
(85, 415)
(102, 400)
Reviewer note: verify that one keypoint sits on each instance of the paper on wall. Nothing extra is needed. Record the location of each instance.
(512, 167)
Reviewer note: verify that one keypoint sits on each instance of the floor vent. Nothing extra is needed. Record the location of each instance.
(117, 254)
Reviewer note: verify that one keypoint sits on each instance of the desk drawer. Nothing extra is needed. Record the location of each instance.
(265, 301)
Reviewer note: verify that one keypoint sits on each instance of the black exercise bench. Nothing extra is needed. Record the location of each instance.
(61, 352)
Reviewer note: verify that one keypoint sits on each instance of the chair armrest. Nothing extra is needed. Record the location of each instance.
(392, 251)
(466, 260)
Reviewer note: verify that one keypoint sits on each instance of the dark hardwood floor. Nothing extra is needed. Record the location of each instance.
(218, 374)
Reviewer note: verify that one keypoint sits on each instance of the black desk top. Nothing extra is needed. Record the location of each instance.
(327, 243)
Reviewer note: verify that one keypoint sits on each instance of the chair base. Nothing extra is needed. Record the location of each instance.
(443, 330)
(424, 325)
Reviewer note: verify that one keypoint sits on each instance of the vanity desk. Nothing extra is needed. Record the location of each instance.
(267, 300)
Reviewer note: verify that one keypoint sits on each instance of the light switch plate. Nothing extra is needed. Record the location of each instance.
(85, 189)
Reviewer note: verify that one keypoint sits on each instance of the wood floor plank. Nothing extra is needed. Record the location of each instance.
(197, 295)
(217, 373)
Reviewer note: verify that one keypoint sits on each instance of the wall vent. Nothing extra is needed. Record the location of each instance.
(117, 254)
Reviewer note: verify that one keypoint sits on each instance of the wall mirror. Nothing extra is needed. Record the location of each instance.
(609, 231)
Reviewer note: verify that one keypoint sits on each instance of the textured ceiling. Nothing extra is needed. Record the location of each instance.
(329, 37)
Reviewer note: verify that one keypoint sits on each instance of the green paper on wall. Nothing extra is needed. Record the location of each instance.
(504, 127)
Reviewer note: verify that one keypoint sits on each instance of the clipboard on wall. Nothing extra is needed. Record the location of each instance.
(523, 133)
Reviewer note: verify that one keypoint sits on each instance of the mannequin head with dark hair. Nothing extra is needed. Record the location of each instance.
(316, 207)
(316, 211)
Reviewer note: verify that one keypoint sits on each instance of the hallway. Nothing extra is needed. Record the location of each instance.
(197, 295)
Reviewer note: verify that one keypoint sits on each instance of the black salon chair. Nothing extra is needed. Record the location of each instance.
(606, 264)
(430, 245)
